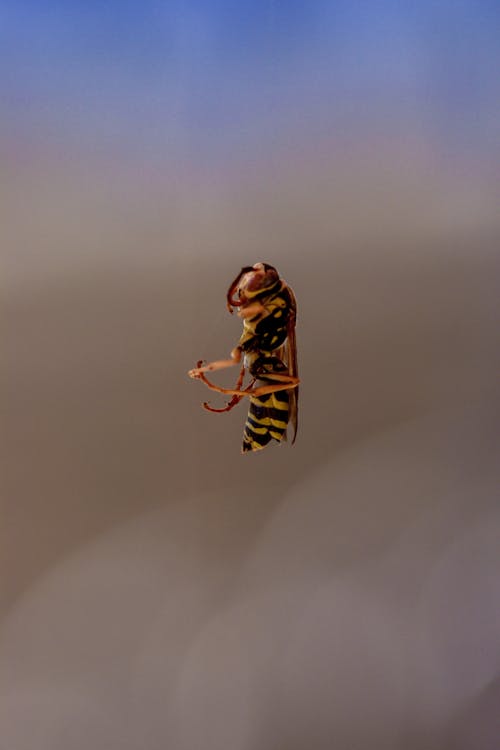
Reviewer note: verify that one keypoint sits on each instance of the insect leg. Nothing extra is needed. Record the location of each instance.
(220, 364)
(230, 405)
(286, 382)
(235, 399)
(252, 310)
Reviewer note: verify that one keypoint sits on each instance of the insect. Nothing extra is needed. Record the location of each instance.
(267, 350)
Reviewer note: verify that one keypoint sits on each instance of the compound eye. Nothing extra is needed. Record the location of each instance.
(255, 279)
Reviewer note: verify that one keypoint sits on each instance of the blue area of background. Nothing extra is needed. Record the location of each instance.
(217, 78)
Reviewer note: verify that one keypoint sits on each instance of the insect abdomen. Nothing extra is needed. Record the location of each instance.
(267, 420)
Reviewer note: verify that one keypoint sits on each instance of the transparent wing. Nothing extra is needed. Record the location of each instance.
(291, 359)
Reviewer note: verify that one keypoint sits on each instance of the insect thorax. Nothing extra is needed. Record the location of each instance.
(268, 331)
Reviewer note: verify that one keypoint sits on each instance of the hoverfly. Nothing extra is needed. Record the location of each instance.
(267, 349)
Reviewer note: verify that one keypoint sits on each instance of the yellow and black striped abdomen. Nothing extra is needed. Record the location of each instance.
(267, 420)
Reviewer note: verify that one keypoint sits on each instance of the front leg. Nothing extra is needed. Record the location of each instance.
(235, 399)
(220, 364)
(251, 310)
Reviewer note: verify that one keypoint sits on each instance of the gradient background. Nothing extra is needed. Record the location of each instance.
(161, 591)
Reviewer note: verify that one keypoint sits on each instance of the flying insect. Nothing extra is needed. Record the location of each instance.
(267, 350)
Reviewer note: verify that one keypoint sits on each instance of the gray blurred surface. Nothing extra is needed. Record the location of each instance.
(162, 591)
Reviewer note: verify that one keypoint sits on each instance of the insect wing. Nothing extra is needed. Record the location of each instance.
(291, 359)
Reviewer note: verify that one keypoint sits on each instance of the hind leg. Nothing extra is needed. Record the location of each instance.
(282, 383)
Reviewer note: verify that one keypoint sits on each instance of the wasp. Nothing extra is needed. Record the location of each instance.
(267, 350)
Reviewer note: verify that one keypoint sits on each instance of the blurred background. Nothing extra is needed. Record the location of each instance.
(159, 589)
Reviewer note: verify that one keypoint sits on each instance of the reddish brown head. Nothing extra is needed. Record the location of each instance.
(251, 282)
